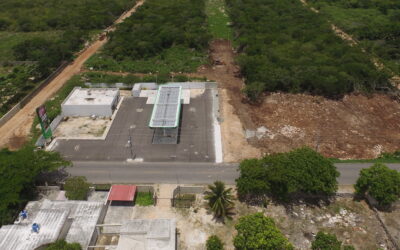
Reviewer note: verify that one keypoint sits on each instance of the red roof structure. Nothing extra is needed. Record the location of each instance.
(122, 193)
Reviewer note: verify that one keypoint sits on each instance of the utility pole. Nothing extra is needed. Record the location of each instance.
(130, 143)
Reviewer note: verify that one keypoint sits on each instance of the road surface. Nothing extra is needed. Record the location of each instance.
(20, 124)
(183, 173)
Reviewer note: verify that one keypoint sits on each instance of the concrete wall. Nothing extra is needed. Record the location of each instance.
(89, 110)
(53, 125)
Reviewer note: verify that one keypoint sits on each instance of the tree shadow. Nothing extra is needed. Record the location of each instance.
(55, 177)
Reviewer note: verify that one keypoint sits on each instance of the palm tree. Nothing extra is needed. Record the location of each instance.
(220, 199)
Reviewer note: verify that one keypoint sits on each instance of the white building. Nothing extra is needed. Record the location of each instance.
(91, 101)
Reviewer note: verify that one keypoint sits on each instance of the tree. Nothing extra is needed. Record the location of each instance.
(219, 199)
(63, 245)
(381, 182)
(326, 241)
(76, 188)
(214, 243)
(19, 171)
(257, 231)
(300, 171)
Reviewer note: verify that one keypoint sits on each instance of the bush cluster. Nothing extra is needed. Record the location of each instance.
(375, 23)
(286, 47)
(41, 15)
(300, 171)
(159, 25)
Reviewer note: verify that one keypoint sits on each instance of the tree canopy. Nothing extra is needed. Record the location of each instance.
(286, 47)
(40, 15)
(18, 170)
(63, 245)
(257, 231)
(300, 171)
(326, 241)
(214, 243)
(381, 182)
(220, 199)
(76, 188)
(159, 25)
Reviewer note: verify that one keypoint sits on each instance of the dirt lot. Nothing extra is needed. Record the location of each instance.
(353, 223)
(354, 127)
(82, 127)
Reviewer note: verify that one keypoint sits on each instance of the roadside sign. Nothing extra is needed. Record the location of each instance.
(44, 122)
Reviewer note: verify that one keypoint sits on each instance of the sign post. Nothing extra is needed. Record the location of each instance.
(44, 122)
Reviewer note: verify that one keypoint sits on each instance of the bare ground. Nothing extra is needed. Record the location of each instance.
(15, 132)
(353, 223)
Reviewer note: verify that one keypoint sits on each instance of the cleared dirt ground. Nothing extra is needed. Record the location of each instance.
(353, 127)
(353, 223)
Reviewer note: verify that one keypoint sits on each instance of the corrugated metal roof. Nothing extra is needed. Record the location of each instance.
(122, 193)
(167, 107)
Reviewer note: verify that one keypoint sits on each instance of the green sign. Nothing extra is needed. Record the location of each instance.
(44, 122)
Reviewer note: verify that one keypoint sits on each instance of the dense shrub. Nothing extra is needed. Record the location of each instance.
(40, 15)
(159, 25)
(375, 23)
(326, 241)
(63, 245)
(381, 182)
(19, 170)
(300, 171)
(214, 243)
(257, 231)
(286, 47)
(76, 188)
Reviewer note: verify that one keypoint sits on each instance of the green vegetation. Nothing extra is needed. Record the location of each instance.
(157, 39)
(326, 241)
(383, 158)
(63, 245)
(280, 175)
(220, 199)
(380, 182)
(41, 15)
(36, 36)
(257, 231)
(76, 188)
(144, 199)
(214, 243)
(286, 47)
(374, 23)
(218, 19)
(184, 200)
(19, 170)
(175, 59)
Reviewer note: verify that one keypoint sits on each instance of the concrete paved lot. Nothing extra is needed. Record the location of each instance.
(196, 142)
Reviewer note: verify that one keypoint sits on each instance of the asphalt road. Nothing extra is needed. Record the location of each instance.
(182, 172)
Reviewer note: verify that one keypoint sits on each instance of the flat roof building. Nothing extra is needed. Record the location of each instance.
(74, 221)
(91, 101)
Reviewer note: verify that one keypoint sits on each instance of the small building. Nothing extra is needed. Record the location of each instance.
(91, 101)
(122, 194)
(157, 234)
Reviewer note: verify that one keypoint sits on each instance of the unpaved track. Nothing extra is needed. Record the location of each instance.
(14, 133)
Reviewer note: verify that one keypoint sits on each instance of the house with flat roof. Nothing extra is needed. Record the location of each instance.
(91, 101)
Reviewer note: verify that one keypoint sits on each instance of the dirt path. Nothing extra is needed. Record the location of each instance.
(235, 113)
(14, 133)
